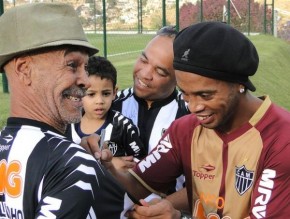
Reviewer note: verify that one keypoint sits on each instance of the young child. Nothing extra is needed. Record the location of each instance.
(123, 135)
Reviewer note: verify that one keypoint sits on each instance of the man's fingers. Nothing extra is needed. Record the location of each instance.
(123, 163)
(93, 142)
(130, 164)
(154, 201)
(90, 143)
(143, 202)
(98, 155)
(85, 145)
(105, 156)
(127, 158)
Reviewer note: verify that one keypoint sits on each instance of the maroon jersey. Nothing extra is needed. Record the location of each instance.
(244, 173)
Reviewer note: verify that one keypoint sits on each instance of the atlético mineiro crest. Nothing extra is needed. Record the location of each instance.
(244, 179)
(113, 147)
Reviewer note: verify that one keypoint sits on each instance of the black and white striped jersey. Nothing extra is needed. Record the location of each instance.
(45, 175)
(152, 122)
(123, 136)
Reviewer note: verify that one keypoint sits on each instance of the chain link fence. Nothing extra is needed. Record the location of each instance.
(122, 28)
(113, 20)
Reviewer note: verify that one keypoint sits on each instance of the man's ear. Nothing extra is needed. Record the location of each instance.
(23, 69)
(116, 90)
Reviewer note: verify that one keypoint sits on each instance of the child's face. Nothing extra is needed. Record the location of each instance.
(99, 97)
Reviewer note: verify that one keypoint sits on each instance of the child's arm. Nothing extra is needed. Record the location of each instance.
(126, 134)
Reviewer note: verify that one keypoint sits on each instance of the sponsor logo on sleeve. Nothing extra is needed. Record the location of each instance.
(265, 188)
(162, 148)
(50, 204)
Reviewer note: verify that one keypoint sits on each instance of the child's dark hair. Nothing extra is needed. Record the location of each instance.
(102, 67)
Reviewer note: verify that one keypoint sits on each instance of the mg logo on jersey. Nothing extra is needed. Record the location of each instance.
(10, 182)
(244, 179)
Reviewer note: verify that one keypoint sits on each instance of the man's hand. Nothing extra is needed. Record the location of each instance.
(91, 145)
(123, 163)
(156, 208)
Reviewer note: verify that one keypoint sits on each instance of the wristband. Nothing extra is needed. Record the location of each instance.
(185, 215)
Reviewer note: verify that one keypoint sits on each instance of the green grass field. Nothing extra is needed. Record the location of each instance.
(272, 78)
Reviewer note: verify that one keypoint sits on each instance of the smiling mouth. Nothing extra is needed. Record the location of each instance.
(142, 84)
(74, 94)
(201, 118)
(72, 98)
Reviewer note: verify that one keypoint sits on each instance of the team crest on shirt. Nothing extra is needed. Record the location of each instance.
(244, 179)
(112, 147)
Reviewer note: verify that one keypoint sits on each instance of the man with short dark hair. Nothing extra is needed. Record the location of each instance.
(153, 102)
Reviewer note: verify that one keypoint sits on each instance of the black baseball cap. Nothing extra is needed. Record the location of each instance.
(216, 50)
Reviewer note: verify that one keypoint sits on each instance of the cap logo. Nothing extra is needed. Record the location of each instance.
(184, 57)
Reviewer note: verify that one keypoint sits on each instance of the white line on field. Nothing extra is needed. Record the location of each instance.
(124, 53)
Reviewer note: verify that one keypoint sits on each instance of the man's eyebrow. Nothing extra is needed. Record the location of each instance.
(164, 70)
(158, 67)
(143, 54)
(106, 90)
